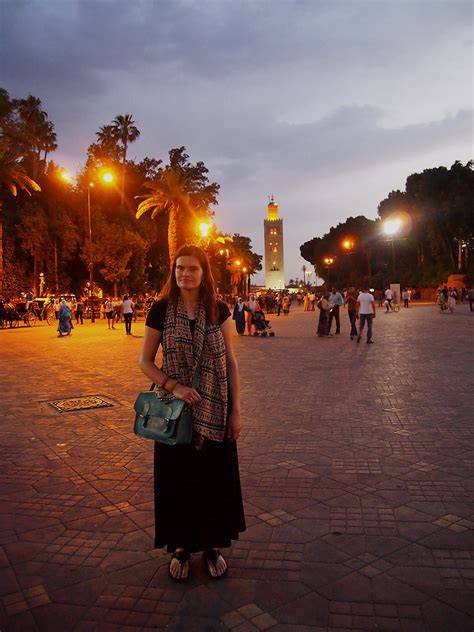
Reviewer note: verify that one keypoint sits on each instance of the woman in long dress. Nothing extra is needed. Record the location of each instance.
(306, 302)
(323, 324)
(198, 500)
(64, 319)
(239, 316)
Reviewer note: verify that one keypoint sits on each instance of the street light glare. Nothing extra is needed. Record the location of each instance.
(204, 229)
(66, 176)
(392, 226)
(108, 177)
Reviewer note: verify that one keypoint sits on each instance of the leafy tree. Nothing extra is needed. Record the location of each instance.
(12, 179)
(117, 247)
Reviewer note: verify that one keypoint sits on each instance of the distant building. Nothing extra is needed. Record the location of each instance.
(274, 262)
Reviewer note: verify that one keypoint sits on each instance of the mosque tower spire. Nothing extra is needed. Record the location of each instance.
(273, 234)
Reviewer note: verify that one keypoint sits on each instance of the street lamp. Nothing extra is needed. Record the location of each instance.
(204, 228)
(328, 261)
(348, 245)
(391, 227)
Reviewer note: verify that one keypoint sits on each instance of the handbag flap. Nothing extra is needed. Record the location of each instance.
(148, 404)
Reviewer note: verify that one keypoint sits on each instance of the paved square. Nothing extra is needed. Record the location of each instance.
(357, 472)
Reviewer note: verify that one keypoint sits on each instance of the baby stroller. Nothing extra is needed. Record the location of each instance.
(262, 326)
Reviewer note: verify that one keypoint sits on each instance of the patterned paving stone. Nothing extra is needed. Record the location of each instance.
(357, 475)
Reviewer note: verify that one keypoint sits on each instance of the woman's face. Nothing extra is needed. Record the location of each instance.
(188, 273)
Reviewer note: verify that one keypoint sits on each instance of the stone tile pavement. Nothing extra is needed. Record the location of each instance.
(357, 473)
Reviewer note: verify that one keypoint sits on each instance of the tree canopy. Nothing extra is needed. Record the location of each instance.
(45, 227)
(435, 237)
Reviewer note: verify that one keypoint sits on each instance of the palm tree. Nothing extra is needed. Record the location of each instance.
(183, 191)
(38, 133)
(126, 132)
(168, 194)
(12, 178)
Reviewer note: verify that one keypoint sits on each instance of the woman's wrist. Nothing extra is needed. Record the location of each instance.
(170, 385)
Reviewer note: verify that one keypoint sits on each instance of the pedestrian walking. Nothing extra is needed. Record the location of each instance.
(65, 319)
(306, 303)
(336, 300)
(406, 298)
(198, 500)
(110, 313)
(240, 308)
(351, 302)
(324, 307)
(366, 313)
(470, 296)
(251, 313)
(127, 312)
(80, 311)
(452, 299)
(388, 300)
(279, 304)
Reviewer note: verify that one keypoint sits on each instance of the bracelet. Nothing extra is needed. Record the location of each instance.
(165, 381)
(170, 385)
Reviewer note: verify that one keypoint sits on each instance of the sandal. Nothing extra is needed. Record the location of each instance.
(211, 557)
(182, 557)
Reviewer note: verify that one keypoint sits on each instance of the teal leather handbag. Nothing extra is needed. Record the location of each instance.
(169, 421)
(166, 422)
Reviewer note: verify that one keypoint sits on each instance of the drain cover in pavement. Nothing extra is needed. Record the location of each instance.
(79, 403)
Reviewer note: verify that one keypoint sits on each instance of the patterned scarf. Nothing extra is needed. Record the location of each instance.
(181, 353)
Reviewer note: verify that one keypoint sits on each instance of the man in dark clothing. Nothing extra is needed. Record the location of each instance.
(351, 302)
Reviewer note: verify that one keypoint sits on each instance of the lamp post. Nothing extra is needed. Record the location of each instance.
(91, 274)
(391, 228)
(108, 178)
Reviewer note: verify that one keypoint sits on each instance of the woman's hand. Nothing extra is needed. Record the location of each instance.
(188, 395)
(233, 425)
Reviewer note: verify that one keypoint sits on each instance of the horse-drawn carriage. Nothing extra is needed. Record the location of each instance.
(26, 312)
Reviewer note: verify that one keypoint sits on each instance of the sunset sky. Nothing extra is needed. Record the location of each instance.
(327, 105)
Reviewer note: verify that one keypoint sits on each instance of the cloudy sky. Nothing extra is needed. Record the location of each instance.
(328, 105)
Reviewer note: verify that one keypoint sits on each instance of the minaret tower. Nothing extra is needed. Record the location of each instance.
(274, 263)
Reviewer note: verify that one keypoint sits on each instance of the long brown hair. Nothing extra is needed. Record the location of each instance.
(207, 294)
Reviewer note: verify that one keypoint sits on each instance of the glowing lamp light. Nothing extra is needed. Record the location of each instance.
(347, 244)
(204, 229)
(66, 176)
(238, 262)
(108, 177)
(392, 226)
(244, 269)
(328, 261)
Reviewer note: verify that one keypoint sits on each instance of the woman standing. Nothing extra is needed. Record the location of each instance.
(306, 302)
(198, 501)
(110, 312)
(127, 312)
(239, 316)
(251, 312)
(64, 317)
(323, 324)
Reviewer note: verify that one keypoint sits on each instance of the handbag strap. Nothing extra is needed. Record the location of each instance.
(197, 372)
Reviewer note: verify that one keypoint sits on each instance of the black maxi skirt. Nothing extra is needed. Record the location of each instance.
(198, 499)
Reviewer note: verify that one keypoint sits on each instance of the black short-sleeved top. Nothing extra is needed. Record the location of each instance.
(156, 315)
